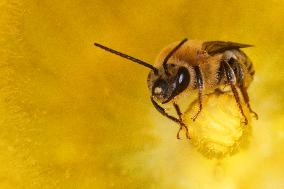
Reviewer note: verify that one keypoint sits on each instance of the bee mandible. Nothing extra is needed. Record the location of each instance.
(193, 65)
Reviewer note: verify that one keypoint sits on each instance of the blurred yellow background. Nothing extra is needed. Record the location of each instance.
(73, 116)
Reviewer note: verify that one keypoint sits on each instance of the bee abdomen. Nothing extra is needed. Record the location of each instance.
(242, 68)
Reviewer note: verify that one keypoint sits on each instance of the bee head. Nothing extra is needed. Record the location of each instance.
(165, 82)
(164, 87)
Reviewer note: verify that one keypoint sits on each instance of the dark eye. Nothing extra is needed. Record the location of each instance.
(160, 87)
(182, 80)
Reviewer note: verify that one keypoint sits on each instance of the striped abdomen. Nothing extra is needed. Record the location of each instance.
(242, 67)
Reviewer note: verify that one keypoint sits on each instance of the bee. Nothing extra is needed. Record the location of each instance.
(192, 65)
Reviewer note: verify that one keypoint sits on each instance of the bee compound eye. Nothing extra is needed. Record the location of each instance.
(183, 75)
(182, 80)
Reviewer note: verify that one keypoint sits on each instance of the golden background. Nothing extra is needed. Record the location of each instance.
(73, 116)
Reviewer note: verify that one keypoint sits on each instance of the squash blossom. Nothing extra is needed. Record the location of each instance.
(72, 116)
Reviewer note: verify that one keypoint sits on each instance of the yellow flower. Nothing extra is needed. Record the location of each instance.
(73, 116)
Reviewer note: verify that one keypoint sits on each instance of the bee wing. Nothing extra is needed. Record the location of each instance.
(213, 47)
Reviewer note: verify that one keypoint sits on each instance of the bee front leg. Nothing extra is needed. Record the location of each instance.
(182, 125)
(199, 82)
(164, 113)
(231, 78)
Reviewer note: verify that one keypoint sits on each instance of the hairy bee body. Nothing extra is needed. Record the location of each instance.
(192, 55)
(192, 65)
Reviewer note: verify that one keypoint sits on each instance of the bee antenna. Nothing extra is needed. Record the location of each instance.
(170, 54)
(128, 57)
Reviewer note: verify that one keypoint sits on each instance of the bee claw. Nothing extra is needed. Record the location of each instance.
(180, 129)
(187, 135)
(254, 114)
(194, 117)
(245, 121)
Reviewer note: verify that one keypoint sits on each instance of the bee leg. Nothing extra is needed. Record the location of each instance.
(239, 73)
(246, 99)
(200, 104)
(231, 78)
(199, 82)
(182, 125)
(164, 113)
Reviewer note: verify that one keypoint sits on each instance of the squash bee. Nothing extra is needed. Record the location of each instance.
(193, 65)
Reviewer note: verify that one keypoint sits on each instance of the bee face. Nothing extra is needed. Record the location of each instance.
(165, 86)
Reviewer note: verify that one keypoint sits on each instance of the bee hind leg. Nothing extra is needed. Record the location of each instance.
(231, 78)
(239, 73)
(246, 99)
